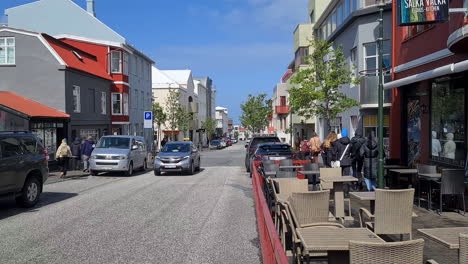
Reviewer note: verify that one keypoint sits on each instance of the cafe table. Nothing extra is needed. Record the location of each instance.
(428, 177)
(446, 236)
(334, 240)
(338, 183)
(410, 173)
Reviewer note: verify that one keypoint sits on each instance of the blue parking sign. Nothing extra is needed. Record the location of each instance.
(148, 119)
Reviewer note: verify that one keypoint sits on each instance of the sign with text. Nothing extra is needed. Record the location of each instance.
(148, 119)
(419, 12)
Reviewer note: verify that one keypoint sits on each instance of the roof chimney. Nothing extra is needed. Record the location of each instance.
(90, 7)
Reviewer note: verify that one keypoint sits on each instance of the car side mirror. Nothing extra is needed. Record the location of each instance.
(134, 147)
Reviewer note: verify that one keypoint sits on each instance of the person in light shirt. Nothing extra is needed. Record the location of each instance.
(436, 147)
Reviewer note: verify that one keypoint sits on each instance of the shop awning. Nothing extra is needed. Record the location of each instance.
(176, 132)
(434, 73)
(29, 107)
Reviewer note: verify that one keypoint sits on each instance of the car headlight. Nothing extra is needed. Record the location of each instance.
(186, 157)
(123, 157)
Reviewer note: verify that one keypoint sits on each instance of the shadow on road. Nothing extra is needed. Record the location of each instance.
(178, 173)
(8, 206)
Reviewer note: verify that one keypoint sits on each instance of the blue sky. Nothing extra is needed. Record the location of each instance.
(243, 45)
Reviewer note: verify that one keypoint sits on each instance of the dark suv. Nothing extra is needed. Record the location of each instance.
(252, 146)
(23, 167)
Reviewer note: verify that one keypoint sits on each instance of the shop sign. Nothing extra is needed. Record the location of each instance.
(418, 12)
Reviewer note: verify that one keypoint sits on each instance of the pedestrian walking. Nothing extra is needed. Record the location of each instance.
(163, 142)
(63, 156)
(370, 153)
(297, 142)
(305, 149)
(86, 150)
(327, 149)
(314, 144)
(76, 152)
(357, 160)
(342, 152)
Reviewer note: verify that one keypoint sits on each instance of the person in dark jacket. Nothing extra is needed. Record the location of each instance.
(327, 149)
(76, 153)
(370, 152)
(342, 148)
(86, 150)
(356, 142)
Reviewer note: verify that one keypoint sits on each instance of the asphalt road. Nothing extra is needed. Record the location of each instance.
(205, 218)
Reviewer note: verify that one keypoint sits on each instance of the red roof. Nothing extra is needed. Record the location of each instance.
(84, 62)
(28, 106)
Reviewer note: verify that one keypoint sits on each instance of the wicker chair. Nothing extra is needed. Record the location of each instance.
(406, 252)
(463, 251)
(282, 189)
(305, 210)
(425, 169)
(328, 172)
(393, 212)
(452, 183)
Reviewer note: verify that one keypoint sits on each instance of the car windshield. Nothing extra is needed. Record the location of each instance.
(260, 140)
(176, 148)
(114, 142)
(273, 149)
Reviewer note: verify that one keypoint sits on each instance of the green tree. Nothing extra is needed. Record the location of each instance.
(172, 111)
(209, 125)
(183, 119)
(255, 112)
(316, 88)
(159, 118)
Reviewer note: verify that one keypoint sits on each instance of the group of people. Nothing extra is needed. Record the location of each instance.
(352, 155)
(80, 151)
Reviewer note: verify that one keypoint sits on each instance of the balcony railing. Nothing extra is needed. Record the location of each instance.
(369, 90)
(282, 109)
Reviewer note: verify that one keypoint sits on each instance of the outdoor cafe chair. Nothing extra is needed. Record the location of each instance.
(393, 212)
(282, 189)
(327, 173)
(404, 252)
(462, 251)
(452, 183)
(425, 169)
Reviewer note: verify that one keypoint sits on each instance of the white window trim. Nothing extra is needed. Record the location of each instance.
(5, 47)
(376, 56)
(112, 104)
(104, 103)
(78, 103)
(111, 61)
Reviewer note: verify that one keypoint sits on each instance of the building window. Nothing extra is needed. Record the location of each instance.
(116, 104)
(76, 99)
(353, 63)
(7, 51)
(125, 103)
(93, 133)
(339, 13)
(103, 103)
(125, 64)
(335, 125)
(448, 121)
(371, 56)
(414, 30)
(333, 22)
(346, 8)
(116, 62)
(282, 100)
(354, 5)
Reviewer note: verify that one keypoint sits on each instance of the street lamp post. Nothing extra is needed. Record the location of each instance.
(381, 4)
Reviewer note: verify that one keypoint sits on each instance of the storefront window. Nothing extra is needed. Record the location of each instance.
(448, 122)
(11, 122)
(371, 126)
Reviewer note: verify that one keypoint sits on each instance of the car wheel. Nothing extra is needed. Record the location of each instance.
(191, 170)
(129, 172)
(157, 172)
(145, 166)
(30, 192)
(93, 173)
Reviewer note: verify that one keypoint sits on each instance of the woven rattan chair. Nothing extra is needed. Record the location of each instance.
(452, 183)
(405, 252)
(282, 189)
(328, 172)
(463, 251)
(393, 212)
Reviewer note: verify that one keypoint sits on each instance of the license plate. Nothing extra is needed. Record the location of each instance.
(170, 166)
(277, 158)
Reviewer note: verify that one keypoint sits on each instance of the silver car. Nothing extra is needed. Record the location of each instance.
(118, 153)
(177, 157)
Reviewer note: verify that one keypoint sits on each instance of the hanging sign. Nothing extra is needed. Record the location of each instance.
(418, 12)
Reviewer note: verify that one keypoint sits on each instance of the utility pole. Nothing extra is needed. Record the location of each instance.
(380, 121)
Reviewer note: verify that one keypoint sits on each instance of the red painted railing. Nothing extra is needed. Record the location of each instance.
(272, 250)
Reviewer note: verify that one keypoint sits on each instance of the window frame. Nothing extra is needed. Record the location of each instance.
(120, 103)
(5, 47)
(376, 56)
(111, 61)
(77, 97)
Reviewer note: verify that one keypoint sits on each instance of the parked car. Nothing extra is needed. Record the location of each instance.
(272, 151)
(228, 142)
(178, 157)
(223, 143)
(118, 153)
(23, 167)
(234, 140)
(252, 146)
(215, 143)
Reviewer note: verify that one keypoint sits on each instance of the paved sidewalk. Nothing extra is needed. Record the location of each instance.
(54, 176)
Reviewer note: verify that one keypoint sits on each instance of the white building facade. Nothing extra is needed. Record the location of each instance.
(222, 120)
